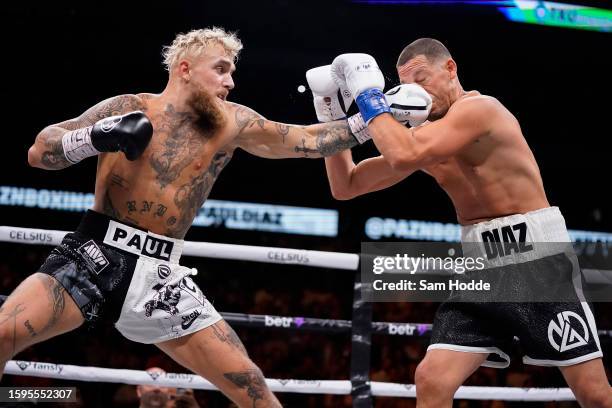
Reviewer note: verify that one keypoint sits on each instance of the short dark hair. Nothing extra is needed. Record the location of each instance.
(429, 47)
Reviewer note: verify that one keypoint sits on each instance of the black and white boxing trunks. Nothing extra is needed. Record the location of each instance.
(132, 277)
(533, 261)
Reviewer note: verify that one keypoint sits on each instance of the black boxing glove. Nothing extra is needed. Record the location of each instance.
(129, 133)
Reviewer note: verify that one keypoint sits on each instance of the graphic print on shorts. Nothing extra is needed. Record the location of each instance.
(183, 300)
(570, 329)
(166, 299)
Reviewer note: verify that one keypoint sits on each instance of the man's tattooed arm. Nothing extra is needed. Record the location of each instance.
(275, 140)
(47, 151)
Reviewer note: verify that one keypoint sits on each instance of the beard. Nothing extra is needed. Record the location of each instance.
(208, 108)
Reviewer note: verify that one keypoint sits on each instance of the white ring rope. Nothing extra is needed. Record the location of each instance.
(289, 256)
(322, 259)
(339, 387)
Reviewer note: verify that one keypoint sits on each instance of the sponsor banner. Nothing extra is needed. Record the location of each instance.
(111, 375)
(401, 329)
(214, 213)
(267, 217)
(31, 236)
(383, 228)
(45, 199)
(327, 325)
(507, 270)
(33, 367)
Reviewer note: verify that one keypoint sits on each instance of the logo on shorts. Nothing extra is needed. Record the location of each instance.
(109, 124)
(163, 271)
(504, 241)
(92, 254)
(166, 299)
(565, 331)
(138, 242)
(189, 319)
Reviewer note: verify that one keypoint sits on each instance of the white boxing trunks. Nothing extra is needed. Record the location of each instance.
(132, 276)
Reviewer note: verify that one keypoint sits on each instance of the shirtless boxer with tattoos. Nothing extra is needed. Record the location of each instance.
(158, 158)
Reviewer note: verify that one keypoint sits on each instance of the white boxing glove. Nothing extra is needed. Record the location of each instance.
(409, 103)
(361, 75)
(325, 94)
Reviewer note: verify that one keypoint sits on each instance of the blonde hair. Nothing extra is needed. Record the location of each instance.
(194, 42)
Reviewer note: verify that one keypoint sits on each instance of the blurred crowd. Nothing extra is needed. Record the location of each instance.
(246, 287)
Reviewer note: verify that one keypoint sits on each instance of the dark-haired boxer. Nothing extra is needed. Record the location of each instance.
(475, 150)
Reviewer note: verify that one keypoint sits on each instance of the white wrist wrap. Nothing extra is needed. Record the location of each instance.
(359, 128)
(77, 145)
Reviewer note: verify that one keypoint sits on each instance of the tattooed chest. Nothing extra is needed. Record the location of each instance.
(174, 150)
(190, 196)
(138, 200)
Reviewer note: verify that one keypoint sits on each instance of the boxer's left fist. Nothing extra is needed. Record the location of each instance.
(361, 75)
(409, 103)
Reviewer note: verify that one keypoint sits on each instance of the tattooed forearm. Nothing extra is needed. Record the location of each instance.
(334, 137)
(304, 149)
(226, 334)
(53, 157)
(325, 139)
(252, 381)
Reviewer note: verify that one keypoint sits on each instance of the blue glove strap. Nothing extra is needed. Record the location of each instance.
(372, 103)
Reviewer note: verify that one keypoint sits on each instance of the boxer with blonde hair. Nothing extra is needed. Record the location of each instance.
(159, 156)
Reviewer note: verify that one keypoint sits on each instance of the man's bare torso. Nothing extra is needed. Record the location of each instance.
(496, 175)
(163, 190)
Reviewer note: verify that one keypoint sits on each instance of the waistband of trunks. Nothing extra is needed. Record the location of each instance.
(130, 238)
(517, 238)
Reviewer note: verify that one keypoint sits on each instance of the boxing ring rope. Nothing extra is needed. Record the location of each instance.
(320, 259)
(337, 387)
(361, 328)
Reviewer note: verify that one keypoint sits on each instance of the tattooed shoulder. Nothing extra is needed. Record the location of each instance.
(117, 105)
(121, 104)
(245, 117)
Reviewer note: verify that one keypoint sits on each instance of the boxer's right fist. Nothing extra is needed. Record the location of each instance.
(362, 77)
(325, 91)
(129, 133)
